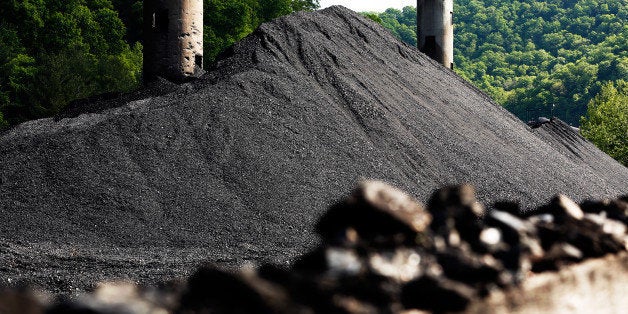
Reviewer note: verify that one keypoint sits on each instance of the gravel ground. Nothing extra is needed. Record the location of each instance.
(239, 165)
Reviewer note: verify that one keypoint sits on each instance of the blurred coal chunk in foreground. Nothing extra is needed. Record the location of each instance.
(383, 252)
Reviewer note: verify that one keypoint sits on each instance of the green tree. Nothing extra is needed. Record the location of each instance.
(54, 51)
(402, 23)
(535, 55)
(304, 5)
(130, 12)
(606, 123)
(373, 16)
(228, 21)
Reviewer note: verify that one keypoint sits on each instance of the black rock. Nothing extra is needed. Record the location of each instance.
(457, 215)
(465, 266)
(513, 228)
(512, 208)
(559, 254)
(331, 261)
(592, 240)
(211, 290)
(436, 294)
(400, 265)
(521, 238)
(378, 213)
(304, 288)
(615, 209)
(563, 209)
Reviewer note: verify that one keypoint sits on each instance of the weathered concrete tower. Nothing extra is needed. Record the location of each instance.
(436, 30)
(173, 39)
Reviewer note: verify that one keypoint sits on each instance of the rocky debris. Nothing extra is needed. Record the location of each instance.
(383, 252)
(119, 298)
(535, 123)
(24, 301)
(437, 294)
(400, 219)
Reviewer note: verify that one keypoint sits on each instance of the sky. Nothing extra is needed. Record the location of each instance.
(368, 5)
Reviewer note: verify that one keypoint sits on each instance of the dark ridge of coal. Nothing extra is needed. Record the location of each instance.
(570, 143)
(99, 103)
(239, 165)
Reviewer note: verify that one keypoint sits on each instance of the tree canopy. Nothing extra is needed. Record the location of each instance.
(606, 123)
(533, 56)
(53, 51)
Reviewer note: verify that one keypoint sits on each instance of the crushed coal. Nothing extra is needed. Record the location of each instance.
(239, 165)
(374, 269)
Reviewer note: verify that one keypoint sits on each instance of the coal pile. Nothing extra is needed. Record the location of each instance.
(238, 166)
(383, 252)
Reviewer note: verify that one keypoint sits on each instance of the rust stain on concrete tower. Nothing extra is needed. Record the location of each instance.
(173, 39)
(436, 30)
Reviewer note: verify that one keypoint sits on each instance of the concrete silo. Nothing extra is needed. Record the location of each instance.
(436, 30)
(173, 39)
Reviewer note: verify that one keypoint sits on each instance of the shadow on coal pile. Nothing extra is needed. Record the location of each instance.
(383, 252)
(239, 165)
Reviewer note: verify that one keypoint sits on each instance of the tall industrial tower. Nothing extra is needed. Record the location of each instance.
(173, 39)
(436, 30)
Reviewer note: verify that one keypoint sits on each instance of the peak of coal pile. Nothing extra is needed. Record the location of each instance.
(240, 164)
(564, 138)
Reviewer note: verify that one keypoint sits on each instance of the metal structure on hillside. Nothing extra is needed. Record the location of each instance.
(436, 30)
(173, 39)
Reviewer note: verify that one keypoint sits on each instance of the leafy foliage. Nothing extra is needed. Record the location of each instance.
(533, 56)
(54, 51)
(228, 21)
(607, 122)
(401, 23)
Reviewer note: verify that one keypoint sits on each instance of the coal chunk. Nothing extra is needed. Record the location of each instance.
(457, 215)
(211, 290)
(614, 209)
(465, 266)
(563, 209)
(512, 208)
(520, 238)
(379, 214)
(436, 294)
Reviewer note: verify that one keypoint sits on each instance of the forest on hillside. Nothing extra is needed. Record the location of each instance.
(56, 51)
(534, 57)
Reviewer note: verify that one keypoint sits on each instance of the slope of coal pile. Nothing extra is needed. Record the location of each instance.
(240, 164)
(570, 143)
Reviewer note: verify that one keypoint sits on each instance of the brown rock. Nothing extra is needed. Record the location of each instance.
(22, 301)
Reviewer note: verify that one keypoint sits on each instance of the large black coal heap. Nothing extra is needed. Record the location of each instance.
(239, 165)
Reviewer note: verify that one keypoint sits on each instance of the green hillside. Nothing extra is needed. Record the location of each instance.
(533, 56)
